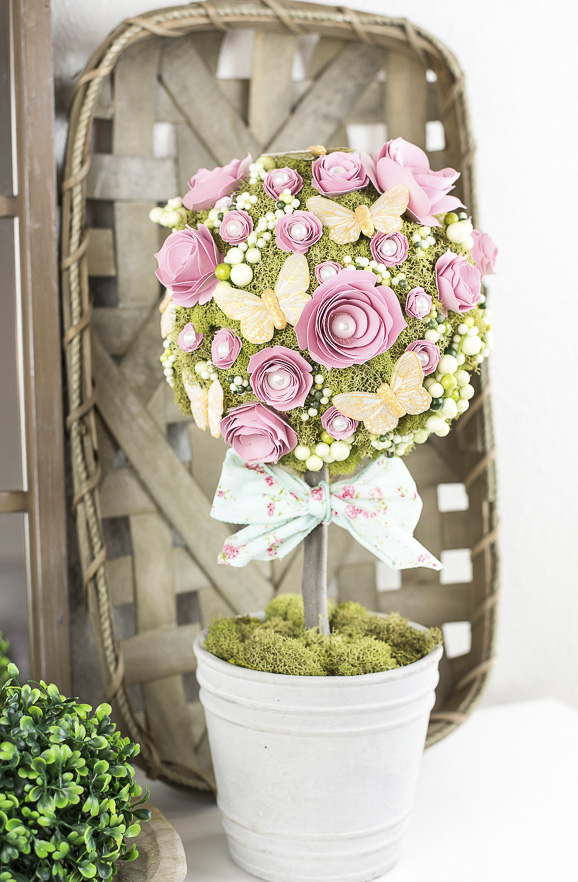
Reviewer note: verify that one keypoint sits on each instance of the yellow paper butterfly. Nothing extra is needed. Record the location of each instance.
(206, 405)
(259, 316)
(381, 410)
(346, 225)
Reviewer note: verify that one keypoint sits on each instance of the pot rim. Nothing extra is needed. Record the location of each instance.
(315, 681)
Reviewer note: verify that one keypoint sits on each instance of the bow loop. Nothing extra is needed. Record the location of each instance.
(320, 502)
(380, 507)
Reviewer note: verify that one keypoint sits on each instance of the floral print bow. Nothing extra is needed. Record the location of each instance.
(380, 507)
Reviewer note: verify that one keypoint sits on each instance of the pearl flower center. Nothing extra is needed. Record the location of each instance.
(423, 358)
(338, 170)
(327, 272)
(189, 338)
(223, 349)
(298, 232)
(340, 424)
(389, 247)
(278, 379)
(233, 228)
(280, 178)
(422, 303)
(343, 326)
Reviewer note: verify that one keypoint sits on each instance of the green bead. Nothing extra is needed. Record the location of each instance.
(318, 395)
(482, 305)
(432, 325)
(451, 351)
(440, 319)
(223, 271)
(449, 382)
(280, 205)
(455, 394)
(403, 284)
(451, 218)
(436, 404)
(326, 437)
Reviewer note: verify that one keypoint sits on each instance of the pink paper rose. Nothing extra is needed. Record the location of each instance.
(298, 231)
(349, 320)
(389, 248)
(188, 340)
(418, 303)
(257, 434)
(338, 173)
(399, 162)
(484, 253)
(327, 270)
(225, 348)
(235, 227)
(337, 424)
(209, 185)
(458, 283)
(428, 354)
(280, 179)
(280, 377)
(187, 264)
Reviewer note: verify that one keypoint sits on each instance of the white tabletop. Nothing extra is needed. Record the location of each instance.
(496, 802)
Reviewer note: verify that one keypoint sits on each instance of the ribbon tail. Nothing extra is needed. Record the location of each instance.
(394, 545)
(266, 541)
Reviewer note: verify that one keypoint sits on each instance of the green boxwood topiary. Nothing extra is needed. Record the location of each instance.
(66, 787)
(4, 659)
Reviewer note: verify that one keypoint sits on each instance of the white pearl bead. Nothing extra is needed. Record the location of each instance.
(278, 379)
(322, 449)
(327, 273)
(241, 274)
(436, 390)
(340, 424)
(223, 349)
(422, 304)
(302, 452)
(443, 431)
(423, 358)
(280, 178)
(337, 170)
(340, 450)
(253, 255)
(314, 463)
(234, 228)
(467, 392)
(234, 255)
(450, 409)
(343, 326)
(189, 338)
(471, 345)
(432, 336)
(448, 364)
(298, 232)
(388, 248)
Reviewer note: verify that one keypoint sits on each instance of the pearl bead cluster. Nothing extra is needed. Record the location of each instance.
(394, 443)
(399, 281)
(171, 215)
(320, 395)
(206, 370)
(459, 229)
(168, 358)
(257, 170)
(328, 450)
(364, 263)
(421, 240)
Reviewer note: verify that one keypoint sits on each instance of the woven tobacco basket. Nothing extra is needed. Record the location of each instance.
(149, 110)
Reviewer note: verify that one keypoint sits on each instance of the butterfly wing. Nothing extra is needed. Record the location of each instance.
(378, 414)
(386, 212)
(198, 398)
(406, 384)
(256, 323)
(291, 286)
(215, 408)
(344, 226)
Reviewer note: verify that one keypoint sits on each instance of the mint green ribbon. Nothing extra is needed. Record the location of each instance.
(380, 507)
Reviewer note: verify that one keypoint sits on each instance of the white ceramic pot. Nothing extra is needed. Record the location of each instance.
(316, 775)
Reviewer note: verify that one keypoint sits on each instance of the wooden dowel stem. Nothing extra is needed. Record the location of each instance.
(315, 568)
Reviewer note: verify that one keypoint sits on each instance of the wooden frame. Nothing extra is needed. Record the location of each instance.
(150, 53)
(43, 499)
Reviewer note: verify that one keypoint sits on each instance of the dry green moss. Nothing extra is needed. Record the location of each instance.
(360, 641)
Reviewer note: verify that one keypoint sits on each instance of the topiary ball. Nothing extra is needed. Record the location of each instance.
(323, 308)
(66, 787)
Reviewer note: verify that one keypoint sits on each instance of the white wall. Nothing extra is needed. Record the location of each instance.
(520, 63)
